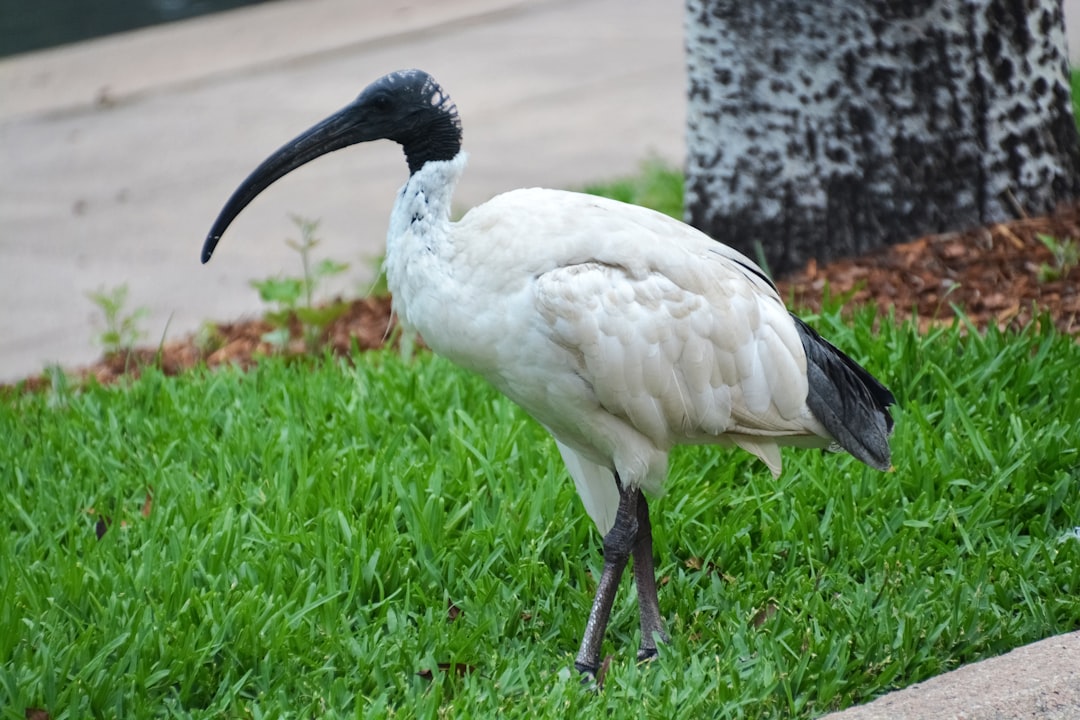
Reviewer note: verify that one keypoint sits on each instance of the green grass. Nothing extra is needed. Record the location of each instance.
(312, 522)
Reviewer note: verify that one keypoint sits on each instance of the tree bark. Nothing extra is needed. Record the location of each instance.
(827, 129)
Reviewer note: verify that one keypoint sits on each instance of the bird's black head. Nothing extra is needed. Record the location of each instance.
(407, 107)
(411, 109)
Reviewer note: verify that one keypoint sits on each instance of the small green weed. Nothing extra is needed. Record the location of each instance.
(295, 296)
(1066, 256)
(208, 338)
(122, 329)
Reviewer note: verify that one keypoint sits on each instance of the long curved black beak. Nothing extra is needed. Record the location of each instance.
(342, 129)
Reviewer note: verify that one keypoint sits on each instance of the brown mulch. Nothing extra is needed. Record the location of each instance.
(1001, 274)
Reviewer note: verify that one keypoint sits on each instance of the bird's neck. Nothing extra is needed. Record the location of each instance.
(423, 204)
(438, 140)
(419, 244)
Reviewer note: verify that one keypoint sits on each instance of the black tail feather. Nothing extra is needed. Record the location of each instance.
(850, 402)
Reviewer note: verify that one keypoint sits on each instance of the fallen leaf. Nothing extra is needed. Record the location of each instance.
(460, 669)
(602, 672)
(696, 563)
(1009, 235)
(763, 615)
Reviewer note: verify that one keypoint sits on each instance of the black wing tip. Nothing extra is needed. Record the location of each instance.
(852, 404)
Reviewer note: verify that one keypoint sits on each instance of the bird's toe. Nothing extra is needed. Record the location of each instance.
(592, 677)
(648, 649)
(646, 653)
(586, 671)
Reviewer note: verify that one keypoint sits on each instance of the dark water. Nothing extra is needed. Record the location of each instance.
(27, 25)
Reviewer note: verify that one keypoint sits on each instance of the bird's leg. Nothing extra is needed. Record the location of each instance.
(619, 542)
(645, 579)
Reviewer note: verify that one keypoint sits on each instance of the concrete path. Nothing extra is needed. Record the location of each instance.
(118, 153)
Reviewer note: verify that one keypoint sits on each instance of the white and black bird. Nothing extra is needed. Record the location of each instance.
(622, 331)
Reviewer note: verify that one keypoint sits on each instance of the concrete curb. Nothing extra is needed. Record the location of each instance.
(1040, 681)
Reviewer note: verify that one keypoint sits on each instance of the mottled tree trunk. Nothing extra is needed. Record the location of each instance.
(825, 129)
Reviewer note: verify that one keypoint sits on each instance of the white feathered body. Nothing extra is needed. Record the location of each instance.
(621, 330)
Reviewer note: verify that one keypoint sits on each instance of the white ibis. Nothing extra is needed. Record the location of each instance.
(622, 331)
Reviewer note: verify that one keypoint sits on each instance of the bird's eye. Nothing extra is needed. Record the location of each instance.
(381, 102)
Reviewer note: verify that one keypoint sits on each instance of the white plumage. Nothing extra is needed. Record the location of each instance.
(621, 330)
(624, 332)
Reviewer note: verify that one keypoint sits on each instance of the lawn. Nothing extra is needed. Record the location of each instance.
(374, 536)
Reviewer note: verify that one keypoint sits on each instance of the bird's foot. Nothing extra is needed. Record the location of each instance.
(647, 653)
(585, 670)
(648, 649)
(593, 677)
